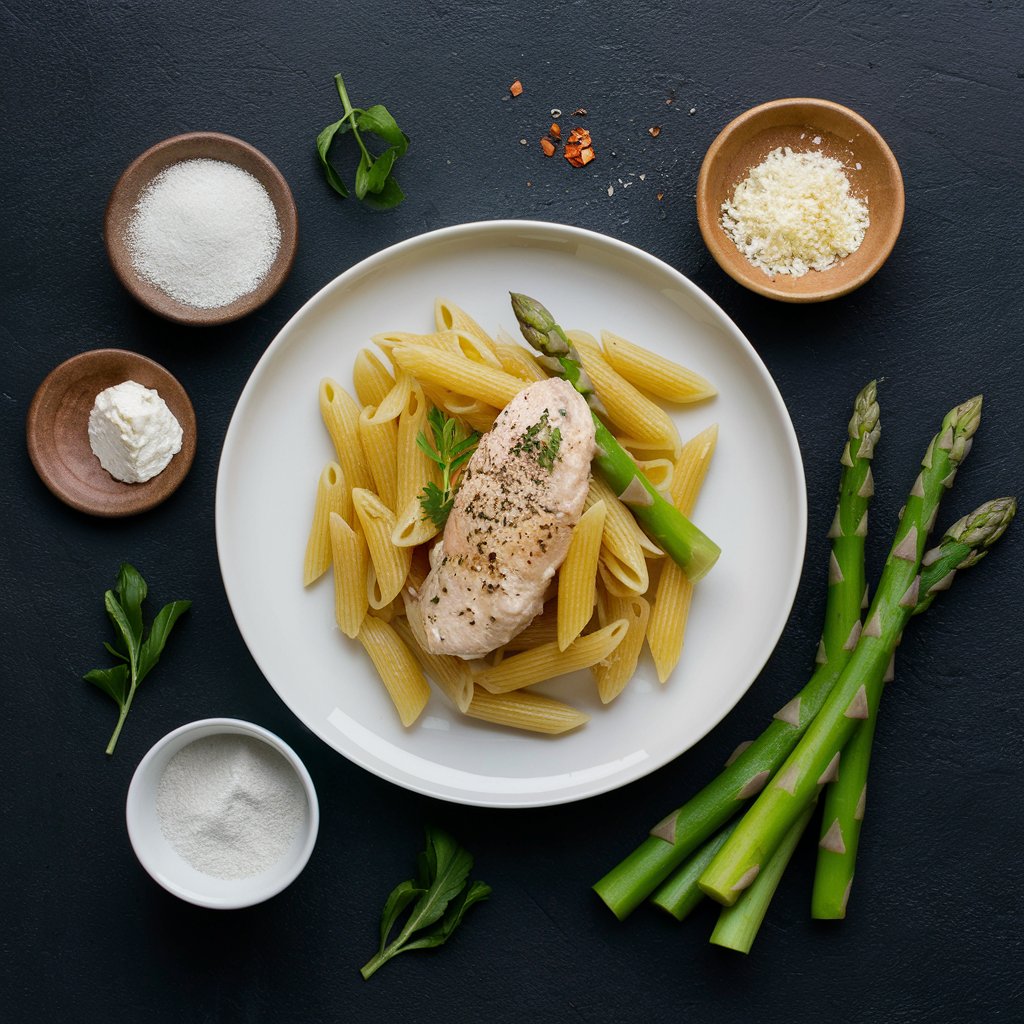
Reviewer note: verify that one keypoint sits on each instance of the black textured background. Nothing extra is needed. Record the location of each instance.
(934, 929)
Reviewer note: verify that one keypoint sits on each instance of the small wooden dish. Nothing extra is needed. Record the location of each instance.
(141, 171)
(57, 430)
(844, 135)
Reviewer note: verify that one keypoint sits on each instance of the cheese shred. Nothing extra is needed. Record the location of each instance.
(794, 212)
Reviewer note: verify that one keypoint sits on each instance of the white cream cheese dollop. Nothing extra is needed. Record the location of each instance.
(133, 433)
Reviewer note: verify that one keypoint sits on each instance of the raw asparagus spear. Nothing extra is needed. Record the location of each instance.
(738, 925)
(660, 519)
(678, 835)
(964, 544)
(855, 696)
(679, 894)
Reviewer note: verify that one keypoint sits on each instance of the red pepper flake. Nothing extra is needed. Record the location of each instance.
(516, 88)
(661, 195)
(555, 131)
(579, 149)
(548, 146)
(654, 131)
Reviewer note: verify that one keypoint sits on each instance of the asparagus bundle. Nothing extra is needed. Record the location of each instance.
(963, 545)
(854, 698)
(679, 834)
(661, 520)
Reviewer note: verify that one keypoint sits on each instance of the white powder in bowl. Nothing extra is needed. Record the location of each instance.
(204, 232)
(230, 805)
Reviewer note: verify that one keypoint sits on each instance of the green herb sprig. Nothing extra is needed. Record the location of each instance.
(451, 452)
(138, 655)
(375, 185)
(440, 895)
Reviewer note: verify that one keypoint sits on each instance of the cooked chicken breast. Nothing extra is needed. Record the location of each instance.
(519, 498)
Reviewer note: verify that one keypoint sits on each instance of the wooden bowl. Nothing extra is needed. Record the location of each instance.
(844, 135)
(57, 431)
(141, 171)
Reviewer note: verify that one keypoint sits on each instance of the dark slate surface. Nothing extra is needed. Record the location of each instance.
(934, 926)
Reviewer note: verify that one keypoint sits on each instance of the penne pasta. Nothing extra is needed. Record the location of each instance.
(495, 387)
(629, 409)
(414, 471)
(666, 628)
(448, 317)
(654, 373)
(623, 543)
(618, 668)
(379, 439)
(332, 495)
(517, 360)
(397, 398)
(691, 468)
(658, 471)
(396, 667)
(577, 579)
(351, 559)
(524, 710)
(548, 661)
(370, 378)
(341, 417)
(390, 564)
(453, 676)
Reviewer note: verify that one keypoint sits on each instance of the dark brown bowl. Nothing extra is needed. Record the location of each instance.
(141, 171)
(57, 431)
(845, 136)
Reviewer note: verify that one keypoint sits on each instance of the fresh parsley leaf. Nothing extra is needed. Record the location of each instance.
(375, 185)
(140, 653)
(451, 452)
(439, 897)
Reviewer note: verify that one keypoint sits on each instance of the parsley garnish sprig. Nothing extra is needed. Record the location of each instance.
(137, 653)
(375, 184)
(451, 452)
(439, 895)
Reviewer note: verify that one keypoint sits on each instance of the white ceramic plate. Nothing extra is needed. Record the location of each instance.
(276, 446)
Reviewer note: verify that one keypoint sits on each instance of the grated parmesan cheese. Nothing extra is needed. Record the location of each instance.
(794, 213)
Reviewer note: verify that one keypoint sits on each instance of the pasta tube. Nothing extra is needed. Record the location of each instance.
(548, 661)
(332, 495)
(524, 710)
(654, 373)
(396, 667)
(577, 579)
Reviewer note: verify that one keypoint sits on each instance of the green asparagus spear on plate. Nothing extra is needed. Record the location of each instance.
(661, 520)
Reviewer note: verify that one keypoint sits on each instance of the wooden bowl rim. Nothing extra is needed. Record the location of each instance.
(164, 305)
(882, 245)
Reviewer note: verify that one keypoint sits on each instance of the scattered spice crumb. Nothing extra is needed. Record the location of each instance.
(643, 177)
(548, 146)
(669, 101)
(556, 131)
(579, 149)
(555, 112)
(611, 190)
(858, 166)
(661, 195)
(693, 110)
(580, 112)
(516, 88)
(523, 142)
(816, 140)
(654, 131)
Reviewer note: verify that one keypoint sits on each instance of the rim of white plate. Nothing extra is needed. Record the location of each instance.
(596, 787)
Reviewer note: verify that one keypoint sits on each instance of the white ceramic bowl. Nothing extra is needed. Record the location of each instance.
(168, 867)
